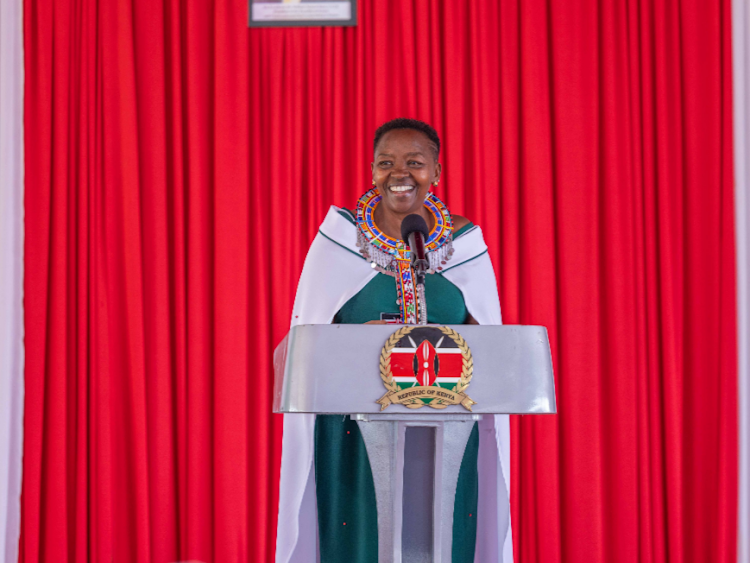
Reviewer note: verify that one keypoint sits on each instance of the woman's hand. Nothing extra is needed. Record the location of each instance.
(470, 320)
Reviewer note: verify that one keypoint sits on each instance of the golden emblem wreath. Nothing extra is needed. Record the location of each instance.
(466, 372)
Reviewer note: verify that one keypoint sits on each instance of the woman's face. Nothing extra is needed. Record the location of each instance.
(405, 166)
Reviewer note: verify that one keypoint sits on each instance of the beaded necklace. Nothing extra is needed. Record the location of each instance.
(393, 257)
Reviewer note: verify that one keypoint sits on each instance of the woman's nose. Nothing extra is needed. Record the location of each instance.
(400, 171)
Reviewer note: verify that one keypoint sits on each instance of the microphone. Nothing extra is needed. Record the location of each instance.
(414, 232)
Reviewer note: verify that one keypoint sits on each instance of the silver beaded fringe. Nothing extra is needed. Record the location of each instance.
(386, 263)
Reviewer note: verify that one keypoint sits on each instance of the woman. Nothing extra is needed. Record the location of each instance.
(352, 275)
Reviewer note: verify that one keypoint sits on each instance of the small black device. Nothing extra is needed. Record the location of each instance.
(391, 318)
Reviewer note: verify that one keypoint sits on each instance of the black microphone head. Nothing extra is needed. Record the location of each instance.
(413, 223)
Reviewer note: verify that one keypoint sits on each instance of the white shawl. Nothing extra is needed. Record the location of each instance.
(334, 272)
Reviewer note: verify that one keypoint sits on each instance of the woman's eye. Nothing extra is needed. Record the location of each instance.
(384, 163)
(414, 163)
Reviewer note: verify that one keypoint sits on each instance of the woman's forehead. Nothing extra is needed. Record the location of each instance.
(403, 140)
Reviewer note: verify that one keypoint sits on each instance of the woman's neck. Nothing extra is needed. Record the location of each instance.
(390, 223)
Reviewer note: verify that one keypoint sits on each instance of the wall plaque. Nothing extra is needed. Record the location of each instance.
(302, 13)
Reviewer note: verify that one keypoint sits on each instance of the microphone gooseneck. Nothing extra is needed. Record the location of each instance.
(414, 232)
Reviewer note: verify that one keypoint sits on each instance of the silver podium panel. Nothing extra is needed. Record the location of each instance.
(334, 369)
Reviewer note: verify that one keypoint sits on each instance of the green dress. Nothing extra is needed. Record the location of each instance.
(347, 511)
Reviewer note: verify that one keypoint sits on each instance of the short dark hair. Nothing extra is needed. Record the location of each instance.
(406, 123)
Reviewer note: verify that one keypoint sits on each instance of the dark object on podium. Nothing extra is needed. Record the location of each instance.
(437, 380)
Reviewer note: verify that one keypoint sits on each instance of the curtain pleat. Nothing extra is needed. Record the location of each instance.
(178, 165)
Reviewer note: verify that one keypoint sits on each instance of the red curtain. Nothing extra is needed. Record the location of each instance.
(178, 165)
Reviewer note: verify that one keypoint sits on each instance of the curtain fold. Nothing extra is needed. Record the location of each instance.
(11, 275)
(741, 83)
(178, 165)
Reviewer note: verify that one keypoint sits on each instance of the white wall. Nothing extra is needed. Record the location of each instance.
(741, 78)
(11, 274)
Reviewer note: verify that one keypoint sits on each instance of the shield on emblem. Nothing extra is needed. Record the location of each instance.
(425, 373)
(426, 345)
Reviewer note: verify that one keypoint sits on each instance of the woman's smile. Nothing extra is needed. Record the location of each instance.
(401, 188)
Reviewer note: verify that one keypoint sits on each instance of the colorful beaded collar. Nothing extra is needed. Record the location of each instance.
(384, 252)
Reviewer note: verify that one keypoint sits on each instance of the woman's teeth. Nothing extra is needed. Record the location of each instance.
(399, 189)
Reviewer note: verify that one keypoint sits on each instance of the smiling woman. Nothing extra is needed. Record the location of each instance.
(358, 270)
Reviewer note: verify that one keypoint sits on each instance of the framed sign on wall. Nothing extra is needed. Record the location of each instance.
(302, 13)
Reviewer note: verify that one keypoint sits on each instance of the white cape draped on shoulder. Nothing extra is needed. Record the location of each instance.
(333, 273)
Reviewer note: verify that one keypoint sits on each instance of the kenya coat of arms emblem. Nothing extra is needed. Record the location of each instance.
(426, 366)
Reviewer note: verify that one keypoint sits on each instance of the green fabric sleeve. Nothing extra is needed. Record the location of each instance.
(347, 508)
(466, 503)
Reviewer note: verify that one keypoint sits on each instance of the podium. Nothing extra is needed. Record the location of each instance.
(386, 381)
